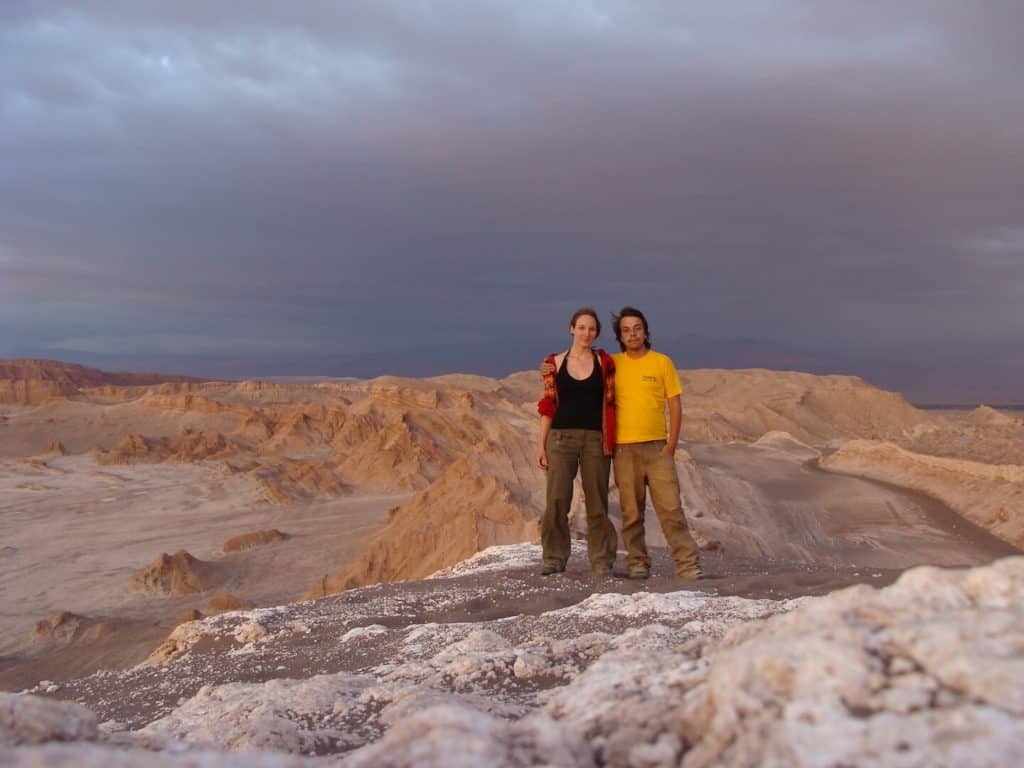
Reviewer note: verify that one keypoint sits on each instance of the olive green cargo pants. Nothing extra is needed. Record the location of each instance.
(570, 450)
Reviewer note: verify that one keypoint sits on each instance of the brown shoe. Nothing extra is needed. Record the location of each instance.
(550, 569)
(639, 574)
(601, 571)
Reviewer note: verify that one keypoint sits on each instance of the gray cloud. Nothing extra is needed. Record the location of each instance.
(380, 180)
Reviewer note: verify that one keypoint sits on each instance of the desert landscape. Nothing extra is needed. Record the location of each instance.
(164, 539)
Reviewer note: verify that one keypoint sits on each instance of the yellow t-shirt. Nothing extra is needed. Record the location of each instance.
(642, 386)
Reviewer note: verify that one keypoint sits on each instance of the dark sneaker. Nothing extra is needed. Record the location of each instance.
(550, 569)
(639, 574)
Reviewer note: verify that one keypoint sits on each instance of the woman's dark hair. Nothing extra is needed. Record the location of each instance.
(630, 312)
(586, 311)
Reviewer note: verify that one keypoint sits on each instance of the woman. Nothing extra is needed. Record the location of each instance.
(577, 432)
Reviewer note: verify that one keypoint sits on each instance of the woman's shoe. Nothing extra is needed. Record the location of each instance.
(550, 569)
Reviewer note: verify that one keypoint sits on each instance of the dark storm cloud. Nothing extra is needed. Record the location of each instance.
(383, 185)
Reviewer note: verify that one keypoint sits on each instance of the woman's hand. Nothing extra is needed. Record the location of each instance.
(546, 368)
(542, 458)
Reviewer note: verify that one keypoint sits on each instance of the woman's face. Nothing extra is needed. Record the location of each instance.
(584, 331)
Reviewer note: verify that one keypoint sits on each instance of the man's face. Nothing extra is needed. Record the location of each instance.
(631, 331)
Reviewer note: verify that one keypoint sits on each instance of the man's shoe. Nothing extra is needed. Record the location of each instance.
(639, 574)
(601, 572)
(550, 569)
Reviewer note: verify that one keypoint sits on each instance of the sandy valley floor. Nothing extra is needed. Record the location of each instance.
(75, 534)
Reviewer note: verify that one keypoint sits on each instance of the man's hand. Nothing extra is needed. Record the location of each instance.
(669, 450)
(542, 458)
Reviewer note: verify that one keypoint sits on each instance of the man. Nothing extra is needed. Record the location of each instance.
(645, 381)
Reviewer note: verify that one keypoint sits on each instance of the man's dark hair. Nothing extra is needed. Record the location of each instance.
(630, 312)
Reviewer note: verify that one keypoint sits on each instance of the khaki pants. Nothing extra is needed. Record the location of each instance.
(639, 466)
(570, 450)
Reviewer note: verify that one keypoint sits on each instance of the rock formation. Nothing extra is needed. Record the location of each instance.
(253, 539)
(55, 448)
(177, 574)
(65, 628)
(32, 382)
(479, 500)
(226, 602)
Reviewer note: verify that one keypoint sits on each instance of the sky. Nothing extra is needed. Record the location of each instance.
(418, 187)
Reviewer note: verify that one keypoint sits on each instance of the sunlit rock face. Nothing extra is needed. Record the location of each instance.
(927, 671)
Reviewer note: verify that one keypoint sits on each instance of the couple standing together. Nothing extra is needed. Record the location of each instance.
(602, 410)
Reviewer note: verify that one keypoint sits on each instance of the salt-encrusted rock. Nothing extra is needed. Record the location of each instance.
(453, 736)
(323, 713)
(97, 756)
(28, 719)
(927, 672)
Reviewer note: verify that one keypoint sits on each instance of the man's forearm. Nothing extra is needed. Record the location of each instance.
(675, 422)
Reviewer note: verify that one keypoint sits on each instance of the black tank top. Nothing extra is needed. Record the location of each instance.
(579, 401)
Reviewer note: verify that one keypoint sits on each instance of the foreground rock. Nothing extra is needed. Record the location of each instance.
(926, 672)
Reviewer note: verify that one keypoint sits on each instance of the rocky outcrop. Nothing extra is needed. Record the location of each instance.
(33, 382)
(226, 602)
(34, 720)
(79, 376)
(65, 628)
(984, 414)
(32, 391)
(133, 448)
(253, 539)
(177, 574)
(290, 479)
(478, 501)
(989, 495)
(55, 448)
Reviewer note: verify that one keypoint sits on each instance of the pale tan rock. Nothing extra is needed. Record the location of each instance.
(177, 574)
(66, 628)
(826, 683)
(55, 448)
(253, 539)
(34, 720)
(227, 602)
(470, 507)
